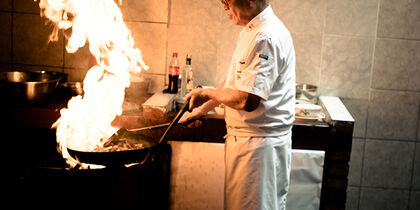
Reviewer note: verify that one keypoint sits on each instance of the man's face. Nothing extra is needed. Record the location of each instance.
(237, 11)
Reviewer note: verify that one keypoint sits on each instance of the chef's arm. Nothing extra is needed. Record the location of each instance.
(235, 99)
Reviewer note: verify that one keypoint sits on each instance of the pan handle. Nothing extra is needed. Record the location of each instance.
(184, 108)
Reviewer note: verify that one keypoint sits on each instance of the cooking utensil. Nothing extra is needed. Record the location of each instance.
(123, 131)
(119, 158)
(20, 87)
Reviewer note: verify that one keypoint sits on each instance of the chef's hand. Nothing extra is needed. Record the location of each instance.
(192, 119)
(197, 97)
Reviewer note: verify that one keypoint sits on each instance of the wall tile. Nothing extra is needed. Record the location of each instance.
(357, 17)
(383, 199)
(196, 12)
(346, 66)
(27, 6)
(157, 82)
(80, 59)
(75, 75)
(5, 37)
(17, 67)
(418, 129)
(416, 171)
(356, 162)
(387, 164)
(399, 20)
(150, 39)
(358, 109)
(202, 44)
(308, 58)
(30, 42)
(301, 16)
(6, 5)
(393, 115)
(414, 200)
(226, 43)
(352, 201)
(396, 65)
(5, 67)
(145, 10)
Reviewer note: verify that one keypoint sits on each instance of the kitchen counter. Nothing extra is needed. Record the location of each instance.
(334, 136)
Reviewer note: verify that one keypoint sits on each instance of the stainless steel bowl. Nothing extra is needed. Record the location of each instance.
(72, 88)
(307, 92)
(28, 87)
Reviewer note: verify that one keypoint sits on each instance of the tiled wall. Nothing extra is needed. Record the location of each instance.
(365, 51)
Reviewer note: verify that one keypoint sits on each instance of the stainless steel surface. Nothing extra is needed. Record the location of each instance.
(18, 87)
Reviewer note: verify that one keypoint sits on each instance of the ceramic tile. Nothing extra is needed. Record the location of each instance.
(6, 5)
(383, 199)
(202, 44)
(27, 6)
(157, 82)
(414, 200)
(396, 65)
(301, 16)
(5, 37)
(357, 17)
(145, 10)
(226, 43)
(352, 201)
(30, 42)
(346, 66)
(399, 20)
(79, 59)
(75, 75)
(387, 164)
(416, 172)
(393, 115)
(358, 109)
(5, 67)
(308, 58)
(196, 12)
(150, 39)
(356, 162)
(17, 67)
(418, 129)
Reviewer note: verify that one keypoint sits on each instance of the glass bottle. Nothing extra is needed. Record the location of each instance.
(173, 74)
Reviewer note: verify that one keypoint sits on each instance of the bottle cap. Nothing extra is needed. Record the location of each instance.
(174, 54)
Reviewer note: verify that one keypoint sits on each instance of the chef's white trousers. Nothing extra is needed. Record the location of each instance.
(257, 172)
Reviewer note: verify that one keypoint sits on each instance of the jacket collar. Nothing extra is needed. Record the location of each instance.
(260, 18)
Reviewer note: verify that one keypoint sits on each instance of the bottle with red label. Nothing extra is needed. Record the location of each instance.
(173, 74)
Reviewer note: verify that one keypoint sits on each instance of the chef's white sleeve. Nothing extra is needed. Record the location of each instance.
(257, 73)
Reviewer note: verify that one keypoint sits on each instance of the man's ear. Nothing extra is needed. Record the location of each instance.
(251, 3)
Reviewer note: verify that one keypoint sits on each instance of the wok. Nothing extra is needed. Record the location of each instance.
(118, 158)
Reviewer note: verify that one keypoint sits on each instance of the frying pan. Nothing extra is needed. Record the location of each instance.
(117, 158)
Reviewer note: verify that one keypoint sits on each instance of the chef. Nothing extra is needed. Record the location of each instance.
(259, 95)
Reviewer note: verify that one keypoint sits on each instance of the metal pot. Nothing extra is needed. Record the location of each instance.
(28, 87)
(307, 92)
(71, 88)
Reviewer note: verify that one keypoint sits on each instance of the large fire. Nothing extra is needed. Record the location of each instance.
(86, 122)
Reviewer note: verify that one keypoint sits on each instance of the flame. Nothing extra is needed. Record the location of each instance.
(86, 122)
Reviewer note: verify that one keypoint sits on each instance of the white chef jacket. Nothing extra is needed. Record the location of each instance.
(263, 64)
(258, 146)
